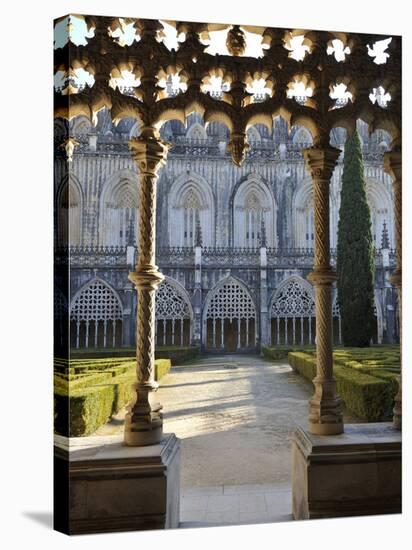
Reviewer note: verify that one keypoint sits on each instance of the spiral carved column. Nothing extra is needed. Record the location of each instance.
(325, 412)
(393, 167)
(144, 423)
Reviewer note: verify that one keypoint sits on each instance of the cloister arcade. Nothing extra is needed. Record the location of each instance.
(157, 73)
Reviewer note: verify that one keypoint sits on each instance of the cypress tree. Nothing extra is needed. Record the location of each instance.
(355, 253)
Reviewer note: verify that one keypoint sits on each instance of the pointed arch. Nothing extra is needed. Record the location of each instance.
(293, 297)
(229, 316)
(174, 314)
(119, 209)
(81, 125)
(69, 212)
(303, 216)
(96, 316)
(196, 131)
(302, 136)
(190, 199)
(292, 312)
(253, 135)
(253, 203)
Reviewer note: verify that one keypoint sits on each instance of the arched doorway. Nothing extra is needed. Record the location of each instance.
(230, 320)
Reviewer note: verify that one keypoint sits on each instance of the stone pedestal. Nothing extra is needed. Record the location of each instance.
(105, 486)
(352, 474)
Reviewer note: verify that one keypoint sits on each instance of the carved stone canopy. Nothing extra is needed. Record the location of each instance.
(327, 60)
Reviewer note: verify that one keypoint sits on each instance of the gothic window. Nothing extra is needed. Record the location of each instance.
(253, 135)
(303, 212)
(196, 132)
(191, 203)
(191, 215)
(96, 315)
(173, 315)
(69, 214)
(302, 136)
(253, 220)
(118, 220)
(254, 206)
(381, 210)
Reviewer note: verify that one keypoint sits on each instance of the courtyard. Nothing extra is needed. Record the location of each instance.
(235, 415)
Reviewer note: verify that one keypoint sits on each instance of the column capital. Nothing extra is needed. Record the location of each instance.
(149, 151)
(392, 164)
(321, 161)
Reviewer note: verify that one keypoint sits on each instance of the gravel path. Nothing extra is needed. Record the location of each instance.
(235, 416)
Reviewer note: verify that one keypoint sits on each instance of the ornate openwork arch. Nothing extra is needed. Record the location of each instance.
(118, 210)
(293, 298)
(174, 314)
(229, 316)
(292, 312)
(96, 311)
(253, 205)
(191, 201)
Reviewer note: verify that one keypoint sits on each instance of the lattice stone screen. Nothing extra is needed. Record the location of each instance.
(173, 316)
(293, 315)
(97, 315)
(230, 318)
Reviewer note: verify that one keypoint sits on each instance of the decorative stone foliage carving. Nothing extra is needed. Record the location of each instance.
(293, 300)
(103, 57)
(170, 303)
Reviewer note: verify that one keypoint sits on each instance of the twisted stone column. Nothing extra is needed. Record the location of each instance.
(325, 414)
(393, 167)
(144, 423)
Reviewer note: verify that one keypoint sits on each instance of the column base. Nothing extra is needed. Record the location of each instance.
(140, 438)
(102, 485)
(326, 429)
(353, 474)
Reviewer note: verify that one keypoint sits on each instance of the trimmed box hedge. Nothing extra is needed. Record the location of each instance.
(282, 352)
(176, 354)
(368, 396)
(87, 394)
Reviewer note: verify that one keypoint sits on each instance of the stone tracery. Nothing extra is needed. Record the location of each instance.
(230, 317)
(96, 313)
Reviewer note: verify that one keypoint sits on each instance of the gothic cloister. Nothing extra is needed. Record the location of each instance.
(247, 289)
